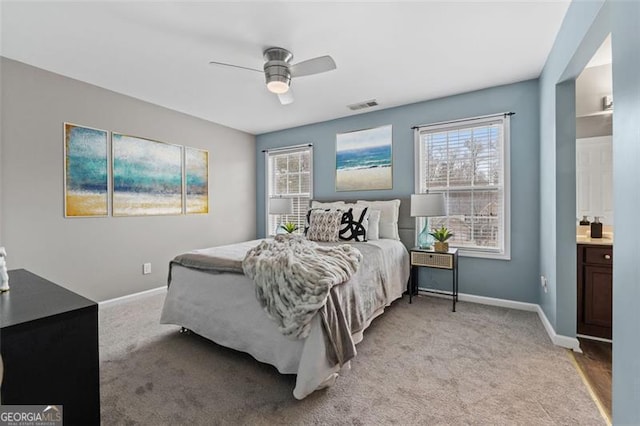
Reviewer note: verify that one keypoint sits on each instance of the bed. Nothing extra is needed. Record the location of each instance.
(222, 306)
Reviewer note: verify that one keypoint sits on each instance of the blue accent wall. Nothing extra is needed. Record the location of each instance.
(581, 34)
(516, 279)
(625, 18)
(584, 28)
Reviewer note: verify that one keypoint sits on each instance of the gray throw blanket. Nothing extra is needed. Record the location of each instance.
(215, 259)
(294, 276)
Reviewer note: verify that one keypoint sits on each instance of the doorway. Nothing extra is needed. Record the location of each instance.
(594, 241)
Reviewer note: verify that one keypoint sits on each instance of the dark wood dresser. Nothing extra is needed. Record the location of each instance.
(595, 290)
(49, 346)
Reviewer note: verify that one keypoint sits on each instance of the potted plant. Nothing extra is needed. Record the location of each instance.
(289, 227)
(441, 235)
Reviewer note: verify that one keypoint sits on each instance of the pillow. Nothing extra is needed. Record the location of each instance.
(307, 221)
(336, 205)
(324, 225)
(354, 224)
(389, 212)
(373, 231)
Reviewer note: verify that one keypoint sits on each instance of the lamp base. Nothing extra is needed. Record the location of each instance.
(425, 240)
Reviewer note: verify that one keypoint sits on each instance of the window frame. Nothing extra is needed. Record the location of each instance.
(267, 180)
(504, 253)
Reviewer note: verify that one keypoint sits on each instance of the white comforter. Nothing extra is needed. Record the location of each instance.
(223, 307)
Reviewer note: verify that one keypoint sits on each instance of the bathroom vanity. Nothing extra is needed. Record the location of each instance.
(595, 267)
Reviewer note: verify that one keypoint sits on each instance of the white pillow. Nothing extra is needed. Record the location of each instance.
(389, 212)
(373, 232)
(336, 205)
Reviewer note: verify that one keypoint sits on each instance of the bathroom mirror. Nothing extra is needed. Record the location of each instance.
(594, 116)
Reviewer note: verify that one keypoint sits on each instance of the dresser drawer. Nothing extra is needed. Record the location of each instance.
(598, 255)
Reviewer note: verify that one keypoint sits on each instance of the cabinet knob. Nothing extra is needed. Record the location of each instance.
(607, 256)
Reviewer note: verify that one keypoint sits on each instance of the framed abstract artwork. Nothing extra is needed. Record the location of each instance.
(147, 177)
(364, 159)
(86, 171)
(196, 172)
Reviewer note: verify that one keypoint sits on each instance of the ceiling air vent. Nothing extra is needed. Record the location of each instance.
(363, 105)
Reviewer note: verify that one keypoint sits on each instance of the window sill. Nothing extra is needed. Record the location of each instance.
(483, 254)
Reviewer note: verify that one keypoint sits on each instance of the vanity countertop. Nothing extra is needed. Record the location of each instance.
(583, 239)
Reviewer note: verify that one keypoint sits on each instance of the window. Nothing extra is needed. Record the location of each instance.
(289, 175)
(468, 161)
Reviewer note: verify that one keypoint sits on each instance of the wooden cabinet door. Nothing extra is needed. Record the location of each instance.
(596, 303)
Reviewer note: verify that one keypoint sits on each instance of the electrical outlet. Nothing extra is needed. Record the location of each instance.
(146, 268)
(543, 283)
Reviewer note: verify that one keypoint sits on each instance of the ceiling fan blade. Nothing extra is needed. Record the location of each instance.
(286, 98)
(313, 66)
(234, 66)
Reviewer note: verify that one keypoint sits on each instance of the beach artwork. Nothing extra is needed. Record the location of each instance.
(364, 160)
(86, 171)
(147, 177)
(196, 170)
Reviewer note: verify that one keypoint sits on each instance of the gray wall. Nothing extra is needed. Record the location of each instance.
(585, 26)
(516, 279)
(102, 258)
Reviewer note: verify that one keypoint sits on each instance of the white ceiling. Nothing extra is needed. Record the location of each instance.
(395, 52)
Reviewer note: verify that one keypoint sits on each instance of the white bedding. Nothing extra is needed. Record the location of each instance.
(223, 308)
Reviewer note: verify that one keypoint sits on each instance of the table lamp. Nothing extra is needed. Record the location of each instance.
(280, 206)
(427, 205)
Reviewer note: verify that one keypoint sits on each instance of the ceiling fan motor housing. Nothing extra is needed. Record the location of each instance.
(276, 69)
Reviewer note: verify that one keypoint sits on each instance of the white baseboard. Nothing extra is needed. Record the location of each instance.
(597, 339)
(502, 303)
(482, 300)
(130, 297)
(557, 339)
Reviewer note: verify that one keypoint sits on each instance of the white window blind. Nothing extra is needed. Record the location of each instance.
(289, 175)
(467, 160)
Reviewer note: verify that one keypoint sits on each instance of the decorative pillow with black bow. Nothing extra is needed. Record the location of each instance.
(355, 224)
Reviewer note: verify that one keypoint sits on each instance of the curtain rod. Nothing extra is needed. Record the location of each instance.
(286, 148)
(482, 117)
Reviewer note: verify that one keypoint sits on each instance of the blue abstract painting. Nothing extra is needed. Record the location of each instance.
(196, 162)
(147, 177)
(364, 160)
(86, 171)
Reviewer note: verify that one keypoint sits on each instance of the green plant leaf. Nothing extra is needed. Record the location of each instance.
(442, 234)
(289, 227)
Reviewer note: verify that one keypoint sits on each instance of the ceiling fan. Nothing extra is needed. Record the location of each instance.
(278, 70)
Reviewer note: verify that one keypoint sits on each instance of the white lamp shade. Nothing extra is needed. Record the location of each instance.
(427, 205)
(280, 205)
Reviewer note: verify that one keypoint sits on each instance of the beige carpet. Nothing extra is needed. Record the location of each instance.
(418, 364)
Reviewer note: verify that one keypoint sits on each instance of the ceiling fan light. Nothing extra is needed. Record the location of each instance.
(278, 87)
